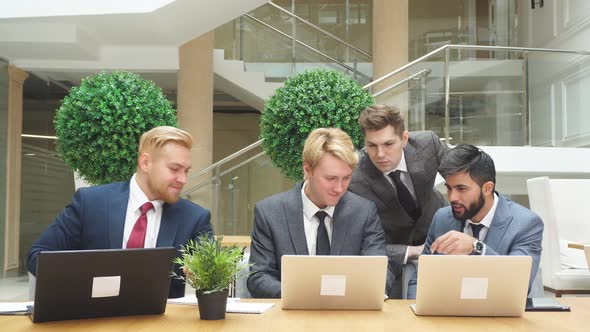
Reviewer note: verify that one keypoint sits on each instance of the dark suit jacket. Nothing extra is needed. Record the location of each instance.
(278, 230)
(95, 219)
(515, 230)
(423, 154)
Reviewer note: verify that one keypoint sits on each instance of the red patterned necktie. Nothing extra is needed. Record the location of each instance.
(137, 237)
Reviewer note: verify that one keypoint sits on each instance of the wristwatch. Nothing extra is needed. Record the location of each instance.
(478, 247)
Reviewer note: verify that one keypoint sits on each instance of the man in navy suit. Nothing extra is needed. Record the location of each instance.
(145, 212)
(480, 221)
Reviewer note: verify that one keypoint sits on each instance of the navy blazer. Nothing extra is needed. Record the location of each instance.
(515, 230)
(95, 219)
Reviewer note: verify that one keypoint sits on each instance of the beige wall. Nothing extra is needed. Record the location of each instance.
(233, 131)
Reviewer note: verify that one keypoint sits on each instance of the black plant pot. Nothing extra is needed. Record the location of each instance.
(212, 305)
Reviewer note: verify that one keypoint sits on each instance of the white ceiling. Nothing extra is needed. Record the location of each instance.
(74, 46)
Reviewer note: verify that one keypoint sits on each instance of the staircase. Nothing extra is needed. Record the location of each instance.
(249, 87)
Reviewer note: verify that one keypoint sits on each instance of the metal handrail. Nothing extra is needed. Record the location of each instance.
(423, 72)
(320, 30)
(469, 47)
(394, 72)
(307, 46)
(226, 159)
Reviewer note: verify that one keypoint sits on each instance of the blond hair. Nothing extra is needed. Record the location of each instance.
(377, 117)
(329, 140)
(156, 138)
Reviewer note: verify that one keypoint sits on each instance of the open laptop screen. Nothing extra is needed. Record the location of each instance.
(102, 283)
(333, 282)
(458, 285)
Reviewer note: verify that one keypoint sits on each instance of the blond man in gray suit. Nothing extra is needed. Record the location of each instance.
(317, 217)
(396, 171)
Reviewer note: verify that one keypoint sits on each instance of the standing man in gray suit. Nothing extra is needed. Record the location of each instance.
(316, 217)
(397, 170)
(480, 221)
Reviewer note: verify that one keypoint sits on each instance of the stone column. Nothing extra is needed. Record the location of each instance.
(16, 78)
(390, 47)
(195, 108)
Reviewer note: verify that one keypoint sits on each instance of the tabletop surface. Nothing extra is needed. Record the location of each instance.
(395, 314)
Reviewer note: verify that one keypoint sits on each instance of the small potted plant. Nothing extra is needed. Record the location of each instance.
(210, 268)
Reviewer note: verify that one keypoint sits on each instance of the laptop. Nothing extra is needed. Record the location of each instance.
(458, 285)
(101, 283)
(333, 282)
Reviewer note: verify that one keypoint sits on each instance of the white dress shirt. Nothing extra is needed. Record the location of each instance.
(311, 221)
(154, 216)
(486, 222)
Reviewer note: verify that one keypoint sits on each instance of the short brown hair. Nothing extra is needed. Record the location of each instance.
(377, 117)
(329, 140)
(157, 137)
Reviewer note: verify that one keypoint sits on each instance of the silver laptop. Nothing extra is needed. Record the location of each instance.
(458, 285)
(101, 283)
(333, 282)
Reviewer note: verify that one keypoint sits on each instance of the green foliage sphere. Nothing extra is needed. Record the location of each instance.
(313, 99)
(99, 123)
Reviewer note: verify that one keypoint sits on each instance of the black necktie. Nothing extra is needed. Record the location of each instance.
(322, 246)
(475, 229)
(403, 194)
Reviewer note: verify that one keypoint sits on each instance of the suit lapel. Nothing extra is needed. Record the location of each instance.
(340, 225)
(415, 165)
(382, 188)
(116, 212)
(293, 207)
(168, 226)
(499, 225)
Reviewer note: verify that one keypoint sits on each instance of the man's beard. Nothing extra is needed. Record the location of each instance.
(473, 209)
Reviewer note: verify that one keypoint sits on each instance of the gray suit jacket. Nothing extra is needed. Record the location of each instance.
(423, 154)
(515, 230)
(278, 230)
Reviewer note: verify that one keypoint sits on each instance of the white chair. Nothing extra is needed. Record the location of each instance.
(564, 207)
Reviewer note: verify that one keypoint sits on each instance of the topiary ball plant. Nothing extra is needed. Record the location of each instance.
(99, 124)
(313, 99)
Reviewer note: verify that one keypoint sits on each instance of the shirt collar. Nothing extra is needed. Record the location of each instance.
(137, 197)
(401, 166)
(310, 209)
(487, 219)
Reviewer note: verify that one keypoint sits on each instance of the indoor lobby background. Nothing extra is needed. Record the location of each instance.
(225, 119)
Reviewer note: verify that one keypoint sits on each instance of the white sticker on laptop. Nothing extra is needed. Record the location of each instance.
(106, 286)
(474, 288)
(333, 285)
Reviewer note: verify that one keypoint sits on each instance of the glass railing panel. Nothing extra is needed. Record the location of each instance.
(271, 41)
(239, 190)
(486, 98)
